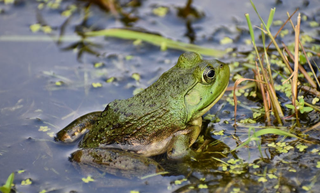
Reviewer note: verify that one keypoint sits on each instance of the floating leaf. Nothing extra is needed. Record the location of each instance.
(136, 76)
(88, 179)
(221, 132)
(98, 64)
(129, 57)
(313, 24)
(35, 27)
(160, 11)
(110, 80)
(301, 147)
(307, 188)
(51, 134)
(277, 22)
(292, 170)
(137, 91)
(262, 179)
(44, 128)
(26, 182)
(96, 84)
(272, 176)
(202, 186)
(178, 182)
(46, 29)
(226, 40)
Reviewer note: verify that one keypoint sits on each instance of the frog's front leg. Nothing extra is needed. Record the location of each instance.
(78, 127)
(183, 140)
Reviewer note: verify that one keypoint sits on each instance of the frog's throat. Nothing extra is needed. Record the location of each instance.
(206, 109)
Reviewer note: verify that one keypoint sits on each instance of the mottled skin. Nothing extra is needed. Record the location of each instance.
(165, 117)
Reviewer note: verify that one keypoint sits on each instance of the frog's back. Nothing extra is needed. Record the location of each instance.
(155, 113)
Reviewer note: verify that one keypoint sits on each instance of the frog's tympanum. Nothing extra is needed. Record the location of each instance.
(163, 118)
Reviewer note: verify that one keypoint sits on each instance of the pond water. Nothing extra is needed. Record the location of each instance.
(45, 83)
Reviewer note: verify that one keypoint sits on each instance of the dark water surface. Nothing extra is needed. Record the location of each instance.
(33, 107)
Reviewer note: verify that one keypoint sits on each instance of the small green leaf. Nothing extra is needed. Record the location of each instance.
(46, 29)
(301, 147)
(26, 182)
(129, 57)
(202, 186)
(292, 170)
(110, 80)
(306, 188)
(160, 11)
(262, 179)
(98, 64)
(66, 13)
(313, 24)
(226, 40)
(289, 106)
(88, 179)
(137, 91)
(96, 85)
(35, 27)
(43, 128)
(277, 22)
(51, 134)
(315, 100)
(59, 83)
(178, 182)
(302, 59)
(307, 109)
(272, 176)
(221, 132)
(255, 166)
(136, 76)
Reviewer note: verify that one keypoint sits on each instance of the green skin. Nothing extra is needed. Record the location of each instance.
(164, 118)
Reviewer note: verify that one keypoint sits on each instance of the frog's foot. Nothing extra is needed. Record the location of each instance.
(78, 127)
(181, 142)
(180, 149)
(117, 162)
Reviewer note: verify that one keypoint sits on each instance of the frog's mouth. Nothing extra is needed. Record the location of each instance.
(207, 108)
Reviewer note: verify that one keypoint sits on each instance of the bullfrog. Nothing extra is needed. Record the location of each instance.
(166, 117)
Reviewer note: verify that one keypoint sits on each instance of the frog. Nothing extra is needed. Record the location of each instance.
(164, 118)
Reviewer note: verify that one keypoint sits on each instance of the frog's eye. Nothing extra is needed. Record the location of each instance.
(208, 75)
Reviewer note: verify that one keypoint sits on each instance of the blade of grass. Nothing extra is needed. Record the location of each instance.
(270, 35)
(277, 108)
(7, 187)
(264, 132)
(270, 19)
(304, 52)
(156, 40)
